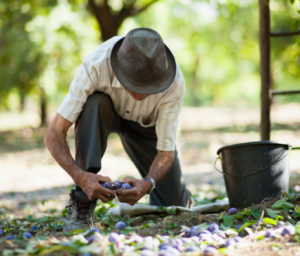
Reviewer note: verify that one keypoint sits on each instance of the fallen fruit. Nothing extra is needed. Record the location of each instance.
(94, 239)
(288, 230)
(95, 229)
(213, 227)
(10, 237)
(35, 227)
(120, 225)
(2, 233)
(230, 242)
(126, 186)
(210, 250)
(232, 211)
(270, 233)
(27, 235)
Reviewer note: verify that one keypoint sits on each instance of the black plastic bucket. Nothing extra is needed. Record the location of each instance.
(254, 171)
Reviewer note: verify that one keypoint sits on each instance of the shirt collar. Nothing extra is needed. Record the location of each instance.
(116, 83)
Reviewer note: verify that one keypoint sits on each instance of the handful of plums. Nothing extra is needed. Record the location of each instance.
(116, 185)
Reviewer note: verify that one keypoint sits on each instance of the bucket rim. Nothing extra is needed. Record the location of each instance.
(261, 142)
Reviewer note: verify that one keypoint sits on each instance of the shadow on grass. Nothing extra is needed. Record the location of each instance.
(35, 196)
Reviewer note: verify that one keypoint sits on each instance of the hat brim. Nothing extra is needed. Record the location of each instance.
(138, 87)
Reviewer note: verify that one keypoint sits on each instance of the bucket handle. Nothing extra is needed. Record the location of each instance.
(242, 176)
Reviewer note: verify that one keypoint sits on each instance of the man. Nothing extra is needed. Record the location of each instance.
(134, 87)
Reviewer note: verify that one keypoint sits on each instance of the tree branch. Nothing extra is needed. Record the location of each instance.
(144, 7)
(285, 33)
(129, 10)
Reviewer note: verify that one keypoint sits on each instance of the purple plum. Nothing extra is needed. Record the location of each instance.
(232, 210)
(288, 230)
(107, 185)
(126, 186)
(31, 232)
(230, 242)
(238, 239)
(114, 237)
(207, 238)
(238, 226)
(120, 225)
(280, 224)
(2, 232)
(213, 227)
(176, 243)
(117, 184)
(164, 246)
(210, 251)
(207, 232)
(95, 229)
(10, 237)
(136, 238)
(94, 239)
(27, 235)
(35, 227)
(270, 233)
(193, 248)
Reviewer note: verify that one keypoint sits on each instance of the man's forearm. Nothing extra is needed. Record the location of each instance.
(161, 165)
(59, 149)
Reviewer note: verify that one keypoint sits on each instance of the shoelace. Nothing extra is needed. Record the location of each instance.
(81, 207)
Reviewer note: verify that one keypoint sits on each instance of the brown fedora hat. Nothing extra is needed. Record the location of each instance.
(142, 62)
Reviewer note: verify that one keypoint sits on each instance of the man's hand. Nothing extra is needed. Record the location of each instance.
(89, 183)
(131, 196)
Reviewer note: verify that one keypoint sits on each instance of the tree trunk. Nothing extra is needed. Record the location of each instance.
(264, 43)
(43, 106)
(22, 100)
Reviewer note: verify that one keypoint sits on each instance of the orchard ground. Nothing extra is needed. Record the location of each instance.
(34, 189)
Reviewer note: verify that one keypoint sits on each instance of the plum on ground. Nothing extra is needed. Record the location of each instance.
(280, 224)
(114, 237)
(126, 186)
(31, 232)
(35, 227)
(230, 242)
(288, 230)
(117, 184)
(120, 225)
(213, 227)
(95, 229)
(193, 248)
(27, 235)
(2, 232)
(94, 239)
(10, 237)
(65, 243)
(210, 250)
(270, 233)
(238, 239)
(232, 210)
(238, 226)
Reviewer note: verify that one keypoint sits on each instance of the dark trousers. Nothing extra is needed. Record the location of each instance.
(97, 120)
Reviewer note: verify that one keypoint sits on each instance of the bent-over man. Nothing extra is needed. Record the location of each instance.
(131, 86)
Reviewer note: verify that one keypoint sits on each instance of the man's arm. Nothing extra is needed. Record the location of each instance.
(55, 140)
(159, 168)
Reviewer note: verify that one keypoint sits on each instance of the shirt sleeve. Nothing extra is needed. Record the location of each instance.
(80, 89)
(166, 126)
(168, 112)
